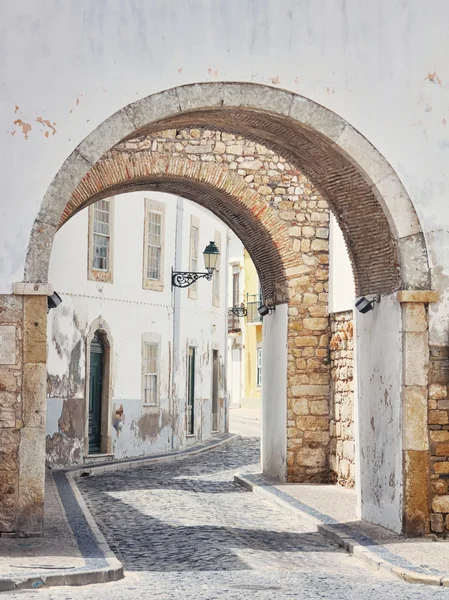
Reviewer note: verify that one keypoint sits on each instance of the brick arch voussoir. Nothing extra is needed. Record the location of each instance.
(213, 186)
(377, 217)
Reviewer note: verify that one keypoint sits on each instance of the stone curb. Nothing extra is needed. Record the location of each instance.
(114, 569)
(136, 463)
(347, 542)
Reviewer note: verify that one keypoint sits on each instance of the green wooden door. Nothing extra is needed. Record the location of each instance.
(191, 392)
(215, 372)
(95, 393)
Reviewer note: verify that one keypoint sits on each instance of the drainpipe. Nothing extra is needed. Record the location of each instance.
(176, 306)
(225, 352)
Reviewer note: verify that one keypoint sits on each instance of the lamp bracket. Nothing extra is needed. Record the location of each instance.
(183, 279)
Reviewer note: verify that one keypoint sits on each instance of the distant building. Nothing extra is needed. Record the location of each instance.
(135, 367)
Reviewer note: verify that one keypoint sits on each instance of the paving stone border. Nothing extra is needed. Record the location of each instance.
(101, 564)
(348, 538)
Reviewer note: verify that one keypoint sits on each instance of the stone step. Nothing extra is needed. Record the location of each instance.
(94, 459)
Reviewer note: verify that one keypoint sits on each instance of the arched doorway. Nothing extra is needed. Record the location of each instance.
(381, 231)
(98, 386)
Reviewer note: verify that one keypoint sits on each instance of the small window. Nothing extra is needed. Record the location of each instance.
(153, 263)
(236, 289)
(259, 367)
(194, 244)
(100, 241)
(154, 247)
(150, 374)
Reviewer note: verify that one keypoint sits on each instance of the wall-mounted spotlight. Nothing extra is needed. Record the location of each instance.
(364, 305)
(185, 278)
(53, 301)
(265, 310)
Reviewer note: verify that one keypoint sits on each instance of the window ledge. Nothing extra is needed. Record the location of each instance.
(153, 285)
(151, 408)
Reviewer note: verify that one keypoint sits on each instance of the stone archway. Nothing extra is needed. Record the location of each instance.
(379, 224)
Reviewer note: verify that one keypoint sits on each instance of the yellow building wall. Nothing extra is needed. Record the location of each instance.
(253, 333)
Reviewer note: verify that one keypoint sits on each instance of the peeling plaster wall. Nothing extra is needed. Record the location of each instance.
(379, 435)
(129, 310)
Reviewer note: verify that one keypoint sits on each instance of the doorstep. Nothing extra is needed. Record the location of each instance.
(93, 459)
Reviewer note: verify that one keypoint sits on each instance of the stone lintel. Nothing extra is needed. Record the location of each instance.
(423, 296)
(33, 289)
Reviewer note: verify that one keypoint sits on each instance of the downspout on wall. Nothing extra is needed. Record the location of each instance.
(176, 306)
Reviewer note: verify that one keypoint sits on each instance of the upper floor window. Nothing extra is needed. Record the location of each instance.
(153, 260)
(100, 240)
(259, 367)
(194, 244)
(236, 287)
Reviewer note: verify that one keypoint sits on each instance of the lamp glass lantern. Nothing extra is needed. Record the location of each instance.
(211, 254)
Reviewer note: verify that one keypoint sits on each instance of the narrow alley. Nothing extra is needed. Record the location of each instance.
(184, 529)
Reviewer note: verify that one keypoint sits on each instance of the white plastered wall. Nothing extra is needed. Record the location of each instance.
(379, 413)
(274, 393)
(130, 311)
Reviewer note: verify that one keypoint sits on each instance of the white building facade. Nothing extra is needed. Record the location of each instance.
(135, 367)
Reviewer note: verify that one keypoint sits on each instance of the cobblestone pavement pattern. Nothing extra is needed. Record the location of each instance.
(185, 530)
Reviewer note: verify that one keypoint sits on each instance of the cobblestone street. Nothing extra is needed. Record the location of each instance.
(185, 530)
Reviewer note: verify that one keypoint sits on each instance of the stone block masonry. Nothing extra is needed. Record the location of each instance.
(438, 420)
(22, 410)
(342, 445)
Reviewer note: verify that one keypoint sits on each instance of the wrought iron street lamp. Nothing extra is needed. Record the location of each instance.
(183, 279)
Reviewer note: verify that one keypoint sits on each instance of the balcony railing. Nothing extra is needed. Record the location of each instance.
(234, 325)
(253, 301)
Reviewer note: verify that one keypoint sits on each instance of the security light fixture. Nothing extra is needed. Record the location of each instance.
(53, 301)
(185, 278)
(364, 305)
(265, 310)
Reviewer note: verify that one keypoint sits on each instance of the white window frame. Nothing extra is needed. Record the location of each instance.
(216, 275)
(151, 340)
(194, 260)
(259, 366)
(94, 273)
(153, 207)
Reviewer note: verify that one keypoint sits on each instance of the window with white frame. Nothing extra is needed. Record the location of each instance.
(194, 245)
(259, 367)
(150, 377)
(100, 240)
(216, 275)
(153, 251)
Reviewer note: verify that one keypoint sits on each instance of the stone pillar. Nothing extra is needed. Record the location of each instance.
(274, 393)
(416, 456)
(23, 321)
(11, 350)
(308, 391)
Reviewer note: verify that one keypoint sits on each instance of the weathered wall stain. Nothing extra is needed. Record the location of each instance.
(65, 447)
(71, 384)
(150, 424)
(47, 123)
(118, 418)
(26, 127)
